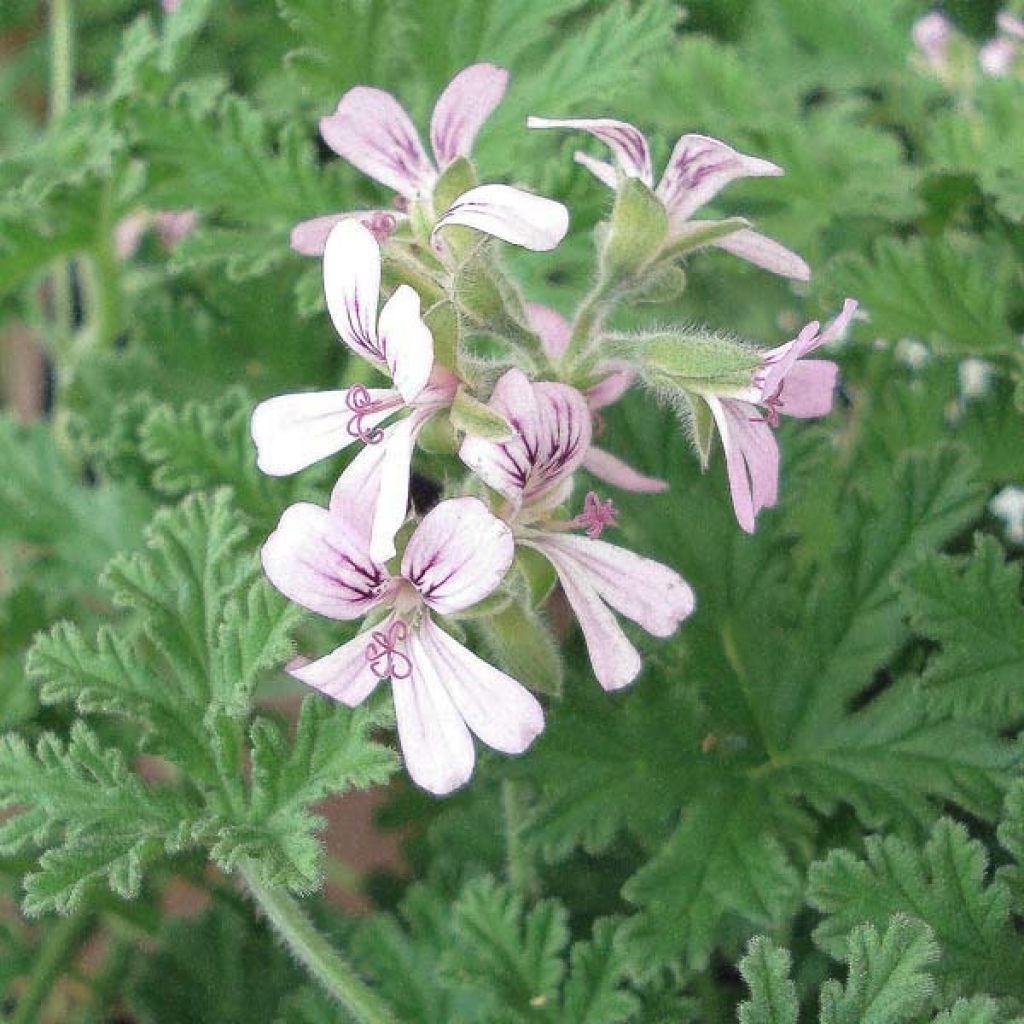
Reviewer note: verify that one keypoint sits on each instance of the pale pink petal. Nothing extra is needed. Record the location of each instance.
(615, 660)
(174, 225)
(292, 432)
(373, 133)
(808, 389)
(309, 237)
(998, 57)
(352, 287)
(766, 253)
(751, 458)
(436, 743)
(514, 216)
(171, 6)
(128, 234)
(498, 709)
(321, 561)
(609, 390)
(614, 471)
(407, 343)
(600, 169)
(699, 168)
(931, 36)
(551, 327)
(458, 554)
(554, 430)
(651, 594)
(1010, 24)
(344, 674)
(626, 142)
(466, 103)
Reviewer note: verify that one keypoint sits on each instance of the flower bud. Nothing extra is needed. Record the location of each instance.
(695, 361)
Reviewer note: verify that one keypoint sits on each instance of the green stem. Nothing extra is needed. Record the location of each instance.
(62, 943)
(105, 278)
(62, 50)
(316, 954)
(521, 873)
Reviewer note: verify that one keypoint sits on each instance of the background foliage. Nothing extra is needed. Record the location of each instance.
(825, 756)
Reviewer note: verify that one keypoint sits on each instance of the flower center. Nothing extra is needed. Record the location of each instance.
(596, 515)
(383, 652)
(360, 402)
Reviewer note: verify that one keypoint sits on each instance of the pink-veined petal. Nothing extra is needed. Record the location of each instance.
(344, 674)
(751, 458)
(553, 434)
(467, 102)
(600, 169)
(766, 253)
(458, 554)
(779, 361)
(436, 742)
(309, 237)
(551, 327)
(407, 343)
(372, 131)
(292, 432)
(626, 142)
(352, 287)
(615, 660)
(321, 561)
(514, 216)
(614, 471)
(699, 168)
(497, 708)
(809, 389)
(651, 594)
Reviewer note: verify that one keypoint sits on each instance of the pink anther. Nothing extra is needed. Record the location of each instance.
(596, 515)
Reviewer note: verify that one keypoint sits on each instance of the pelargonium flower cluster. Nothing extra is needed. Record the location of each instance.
(501, 399)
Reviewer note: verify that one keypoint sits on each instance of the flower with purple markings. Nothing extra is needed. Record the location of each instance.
(534, 472)
(443, 693)
(371, 130)
(292, 432)
(786, 384)
(698, 169)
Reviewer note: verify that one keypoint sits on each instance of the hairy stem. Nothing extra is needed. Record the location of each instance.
(62, 943)
(316, 954)
(62, 50)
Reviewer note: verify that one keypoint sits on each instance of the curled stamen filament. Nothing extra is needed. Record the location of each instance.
(383, 654)
(361, 403)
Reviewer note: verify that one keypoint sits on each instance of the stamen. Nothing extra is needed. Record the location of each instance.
(596, 515)
(361, 402)
(386, 660)
(380, 225)
(773, 403)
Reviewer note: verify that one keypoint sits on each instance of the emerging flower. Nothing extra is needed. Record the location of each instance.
(534, 472)
(456, 557)
(371, 130)
(292, 432)
(788, 384)
(553, 330)
(698, 169)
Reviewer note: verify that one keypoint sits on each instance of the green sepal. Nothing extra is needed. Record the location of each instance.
(487, 298)
(438, 436)
(710, 231)
(693, 360)
(538, 572)
(523, 646)
(703, 428)
(443, 322)
(471, 416)
(411, 265)
(458, 177)
(639, 225)
(665, 283)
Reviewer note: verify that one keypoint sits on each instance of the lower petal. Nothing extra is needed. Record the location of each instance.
(502, 712)
(766, 253)
(436, 743)
(344, 674)
(809, 389)
(614, 471)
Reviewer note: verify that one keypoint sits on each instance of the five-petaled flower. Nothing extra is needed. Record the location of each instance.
(443, 692)
(371, 130)
(698, 169)
(294, 431)
(534, 471)
(786, 383)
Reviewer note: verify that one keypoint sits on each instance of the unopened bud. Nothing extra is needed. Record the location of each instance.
(639, 226)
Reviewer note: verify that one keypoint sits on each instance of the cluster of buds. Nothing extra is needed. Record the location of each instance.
(505, 396)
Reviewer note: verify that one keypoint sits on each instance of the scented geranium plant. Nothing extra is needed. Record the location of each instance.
(511, 512)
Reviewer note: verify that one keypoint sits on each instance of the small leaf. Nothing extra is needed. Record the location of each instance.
(472, 416)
